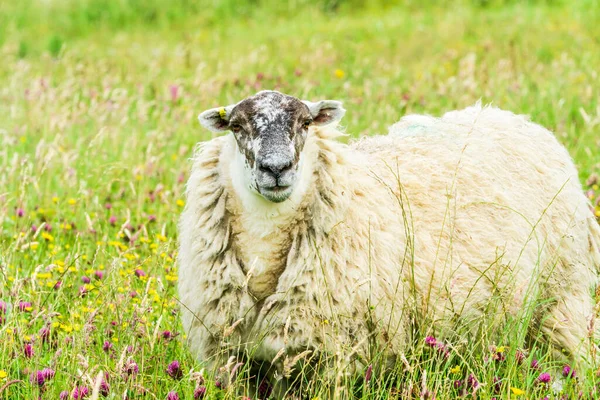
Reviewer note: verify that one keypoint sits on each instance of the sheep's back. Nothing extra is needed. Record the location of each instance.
(490, 194)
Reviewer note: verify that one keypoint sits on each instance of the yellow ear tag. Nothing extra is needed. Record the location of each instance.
(222, 113)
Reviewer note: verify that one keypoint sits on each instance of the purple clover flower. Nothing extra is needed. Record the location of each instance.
(85, 279)
(64, 395)
(28, 350)
(139, 273)
(199, 392)
(472, 382)
(24, 305)
(41, 377)
(131, 368)
(107, 346)
(430, 341)
(568, 372)
(80, 392)
(544, 378)
(174, 370)
(172, 396)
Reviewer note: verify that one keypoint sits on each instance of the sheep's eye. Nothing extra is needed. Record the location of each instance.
(306, 124)
(235, 128)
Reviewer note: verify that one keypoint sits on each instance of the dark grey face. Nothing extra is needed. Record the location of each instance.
(270, 129)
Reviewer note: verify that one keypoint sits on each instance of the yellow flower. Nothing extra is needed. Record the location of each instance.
(500, 349)
(455, 369)
(339, 73)
(72, 202)
(3, 374)
(55, 199)
(180, 203)
(517, 391)
(47, 236)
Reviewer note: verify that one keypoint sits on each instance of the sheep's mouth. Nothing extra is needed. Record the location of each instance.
(277, 193)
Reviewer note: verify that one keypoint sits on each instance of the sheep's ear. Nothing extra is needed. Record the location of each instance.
(216, 119)
(325, 112)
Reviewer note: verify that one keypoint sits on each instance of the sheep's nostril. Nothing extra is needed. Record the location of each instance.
(275, 169)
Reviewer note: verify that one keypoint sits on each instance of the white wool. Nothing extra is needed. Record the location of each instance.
(455, 221)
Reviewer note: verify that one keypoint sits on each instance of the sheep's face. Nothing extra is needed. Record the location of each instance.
(270, 129)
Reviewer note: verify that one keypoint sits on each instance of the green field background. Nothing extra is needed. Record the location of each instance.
(98, 108)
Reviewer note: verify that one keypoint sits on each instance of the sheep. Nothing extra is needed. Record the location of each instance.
(292, 241)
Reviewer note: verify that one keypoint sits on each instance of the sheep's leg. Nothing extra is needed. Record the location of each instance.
(215, 310)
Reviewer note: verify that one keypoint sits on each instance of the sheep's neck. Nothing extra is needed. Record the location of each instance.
(262, 246)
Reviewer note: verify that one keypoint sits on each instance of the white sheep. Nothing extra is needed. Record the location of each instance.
(291, 240)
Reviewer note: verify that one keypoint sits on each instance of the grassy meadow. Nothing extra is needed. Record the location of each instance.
(98, 107)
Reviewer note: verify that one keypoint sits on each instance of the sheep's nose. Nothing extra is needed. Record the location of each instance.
(275, 168)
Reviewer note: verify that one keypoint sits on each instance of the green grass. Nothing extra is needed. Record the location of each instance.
(98, 106)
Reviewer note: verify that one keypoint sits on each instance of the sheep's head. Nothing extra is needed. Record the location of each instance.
(270, 129)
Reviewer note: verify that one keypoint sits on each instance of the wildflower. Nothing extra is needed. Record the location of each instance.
(130, 368)
(25, 306)
(2, 307)
(34, 228)
(104, 388)
(20, 212)
(72, 202)
(339, 73)
(368, 373)
(455, 369)
(107, 346)
(64, 395)
(544, 377)
(535, 364)
(443, 349)
(174, 90)
(457, 384)
(472, 382)
(139, 273)
(430, 341)
(48, 373)
(167, 335)
(174, 370)
(108, 206)
(57, 285)
(112, 220)
(180, 203)
(172, 396)
(98, 275)
(199, 392)
(568, 372)
(28, 350)
(3, 374)
(517, 391)
(85, 279)
(41, 377)
(80, 392)
(151, 218)
(44, 334)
